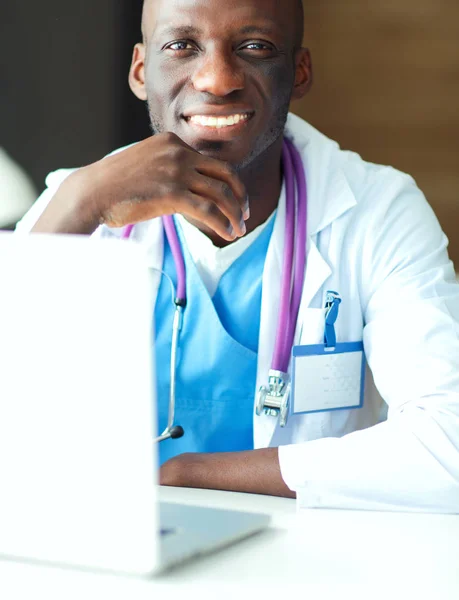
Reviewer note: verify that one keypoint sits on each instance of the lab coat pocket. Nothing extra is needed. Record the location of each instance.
(312, 326)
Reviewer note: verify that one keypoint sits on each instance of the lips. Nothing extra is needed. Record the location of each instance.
(218, 117)
(217, 122)
(214, 110)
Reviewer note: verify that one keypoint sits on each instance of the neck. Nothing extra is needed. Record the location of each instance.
(263, 182)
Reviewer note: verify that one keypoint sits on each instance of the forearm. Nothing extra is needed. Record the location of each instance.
(254, 471)
(71, 210)
(409, 463)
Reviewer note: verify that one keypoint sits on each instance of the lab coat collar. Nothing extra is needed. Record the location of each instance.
(150, 235)
(329, 197)
(329, 192)
(317, 273)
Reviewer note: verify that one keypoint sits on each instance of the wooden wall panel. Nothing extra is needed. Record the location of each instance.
(387, 86)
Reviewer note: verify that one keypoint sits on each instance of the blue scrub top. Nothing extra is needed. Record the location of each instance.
(217, 360)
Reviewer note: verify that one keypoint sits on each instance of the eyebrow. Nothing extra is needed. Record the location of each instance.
(190, 30)
(258, 29)
(183, 30)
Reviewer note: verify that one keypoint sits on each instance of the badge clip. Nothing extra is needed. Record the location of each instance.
(332, 303)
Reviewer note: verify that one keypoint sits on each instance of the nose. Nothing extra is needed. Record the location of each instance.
(217, 74)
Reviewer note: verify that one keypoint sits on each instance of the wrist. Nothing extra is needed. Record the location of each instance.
(84, 197)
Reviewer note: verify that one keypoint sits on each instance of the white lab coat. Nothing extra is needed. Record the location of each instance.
(373, 238)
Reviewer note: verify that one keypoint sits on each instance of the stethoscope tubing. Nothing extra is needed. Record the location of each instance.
(300, 250)
(292, 276)
(179, 261)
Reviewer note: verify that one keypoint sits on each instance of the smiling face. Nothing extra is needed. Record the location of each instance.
(221, 75)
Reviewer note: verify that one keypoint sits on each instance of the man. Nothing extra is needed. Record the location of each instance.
(218, 79)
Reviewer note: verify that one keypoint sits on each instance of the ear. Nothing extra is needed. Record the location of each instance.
(303, 74)
(137, 72)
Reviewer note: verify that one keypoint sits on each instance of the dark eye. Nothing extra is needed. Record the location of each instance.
(258, 46)
(179, 46)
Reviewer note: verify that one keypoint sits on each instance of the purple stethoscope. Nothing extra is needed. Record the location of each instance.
(273, 399)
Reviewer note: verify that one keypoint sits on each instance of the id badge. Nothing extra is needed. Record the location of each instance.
(327, 378)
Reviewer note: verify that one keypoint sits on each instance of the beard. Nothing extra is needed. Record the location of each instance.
(156, 124)
(213, 148)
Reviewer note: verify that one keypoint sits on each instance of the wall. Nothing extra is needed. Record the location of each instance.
(387, 86)
(58, 103)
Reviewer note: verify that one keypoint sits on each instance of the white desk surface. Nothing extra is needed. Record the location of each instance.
(328, 553)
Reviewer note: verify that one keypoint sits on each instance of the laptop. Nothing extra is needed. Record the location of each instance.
(78, 467)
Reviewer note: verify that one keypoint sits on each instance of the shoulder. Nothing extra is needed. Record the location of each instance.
(326, 160)
(341, 184)
(392, 230)
(388, 200)
(382, 223)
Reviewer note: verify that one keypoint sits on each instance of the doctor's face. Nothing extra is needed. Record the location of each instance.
(219, 74)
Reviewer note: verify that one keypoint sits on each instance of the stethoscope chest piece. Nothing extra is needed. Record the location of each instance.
(273, 400)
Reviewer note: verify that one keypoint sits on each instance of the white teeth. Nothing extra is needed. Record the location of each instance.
(218, 122)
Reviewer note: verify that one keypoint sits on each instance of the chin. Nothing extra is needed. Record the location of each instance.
(221, 151)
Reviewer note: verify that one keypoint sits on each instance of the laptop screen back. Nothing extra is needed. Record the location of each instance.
(77, 463)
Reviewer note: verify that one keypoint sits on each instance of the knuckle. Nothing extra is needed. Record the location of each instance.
(209, 209)
(230, 169)
(175, 153)
(208, 184)
(227, 191)
(174, 170)
(177, 193)
(192, 201)
(169, 168)
(173, 148)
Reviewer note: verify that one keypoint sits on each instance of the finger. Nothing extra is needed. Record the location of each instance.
(224, 171)
(221, 193)
(196, 207)
(207, 212)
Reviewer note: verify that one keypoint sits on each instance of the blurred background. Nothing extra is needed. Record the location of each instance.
(386, 86)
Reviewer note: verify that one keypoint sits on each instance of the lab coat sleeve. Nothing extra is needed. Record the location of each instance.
(410, 303)
(53, 182)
